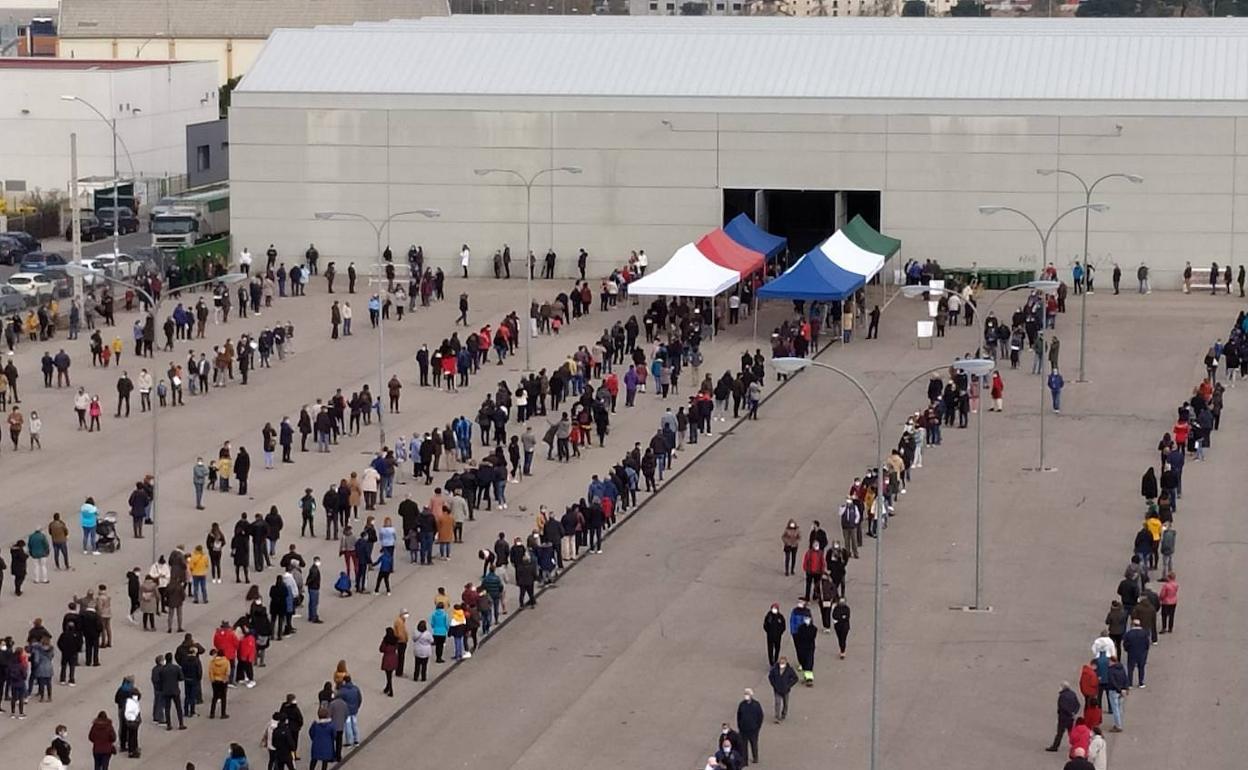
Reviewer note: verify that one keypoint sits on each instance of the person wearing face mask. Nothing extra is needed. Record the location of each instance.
(797, 617)
(727, 757)
(782, 678)
(749, 723)
(804, 640)
(729, 736)
(773, 627)
(791, 538)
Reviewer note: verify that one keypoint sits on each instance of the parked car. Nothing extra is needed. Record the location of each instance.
(32, 285)
(26, 239)
(37, 261)
(89, 226)
(12, 300)
(127, 222)
(122, 266)
(11, 250)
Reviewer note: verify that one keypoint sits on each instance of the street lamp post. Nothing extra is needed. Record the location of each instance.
(154, 303)
(112, 125)
(1044, 235)
(792, 366)
(1087, 199)
(528, 238)
(378, 227)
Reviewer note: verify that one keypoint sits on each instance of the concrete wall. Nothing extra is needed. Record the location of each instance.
(649, 186)
(232, 57)
(213, 137)
(36, 123)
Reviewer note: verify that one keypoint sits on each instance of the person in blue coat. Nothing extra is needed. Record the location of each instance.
(352, 696)
(1136, 643)
(440, 627)
(322, 734)
(1056, 383)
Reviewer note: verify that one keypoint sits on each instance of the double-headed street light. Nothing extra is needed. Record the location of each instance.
(789, 366)
(1045, 286)
(1087, 198)
(528, 239)
(154, 303)
(378, 227)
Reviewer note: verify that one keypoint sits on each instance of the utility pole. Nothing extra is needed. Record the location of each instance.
(73, 212)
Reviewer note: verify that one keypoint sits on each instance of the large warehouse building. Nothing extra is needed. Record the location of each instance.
(678, 124)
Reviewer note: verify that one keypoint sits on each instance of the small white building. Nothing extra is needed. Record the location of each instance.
(151, 102)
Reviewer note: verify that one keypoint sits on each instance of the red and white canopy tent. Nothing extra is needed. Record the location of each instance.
(713, 265)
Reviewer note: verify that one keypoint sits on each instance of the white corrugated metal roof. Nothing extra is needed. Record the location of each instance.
(893, 58)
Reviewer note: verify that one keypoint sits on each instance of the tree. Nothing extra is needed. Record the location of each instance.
(914, 8)
(224, 93)
(968, 8)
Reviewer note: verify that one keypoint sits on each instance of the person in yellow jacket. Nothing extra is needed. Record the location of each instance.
(197, 565)
(219, 677)
(402, 636)
(116, 350)
(1153, 522)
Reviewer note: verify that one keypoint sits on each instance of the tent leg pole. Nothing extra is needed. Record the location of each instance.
(754, 337)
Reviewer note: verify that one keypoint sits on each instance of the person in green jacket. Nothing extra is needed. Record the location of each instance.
(39, 548)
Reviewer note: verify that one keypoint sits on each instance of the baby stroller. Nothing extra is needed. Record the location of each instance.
(106, 538)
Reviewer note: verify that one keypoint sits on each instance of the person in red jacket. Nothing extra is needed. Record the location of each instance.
(998, 393)
(247, 659)
(1092, 717)
(1080, 737)
(612, 384)
(813, 566)
(225, 640)
(1089, 684)
(389, 650)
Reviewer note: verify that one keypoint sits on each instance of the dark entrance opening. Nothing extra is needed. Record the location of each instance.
(805, 217)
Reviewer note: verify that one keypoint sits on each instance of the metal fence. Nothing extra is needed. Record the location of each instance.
(45, 224)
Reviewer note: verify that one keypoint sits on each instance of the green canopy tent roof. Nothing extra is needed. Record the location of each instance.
(867, 237)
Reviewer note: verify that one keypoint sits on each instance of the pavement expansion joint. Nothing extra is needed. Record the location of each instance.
(969, 608)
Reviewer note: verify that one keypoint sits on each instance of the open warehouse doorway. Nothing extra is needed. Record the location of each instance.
(805, 217)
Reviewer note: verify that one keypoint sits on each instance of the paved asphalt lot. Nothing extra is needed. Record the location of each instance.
(635, 658)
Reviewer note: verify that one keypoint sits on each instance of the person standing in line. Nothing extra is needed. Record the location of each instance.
(132, 717)
(389, 650)
(321, 733)
(750, 718)
(422, 644)
(1169, 597)
(1136, 643)
(1067, 708)
(782, 678)
(774, 627)
(1056, 383)
(103, 738)
(1117, 685)
(790, 538)
(840, 623)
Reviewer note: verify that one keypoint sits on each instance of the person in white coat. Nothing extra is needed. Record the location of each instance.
(1098, 752)
(51, 761)
(464, 255)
